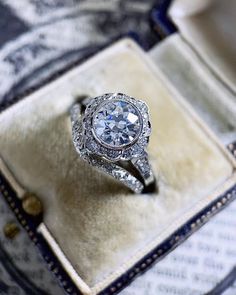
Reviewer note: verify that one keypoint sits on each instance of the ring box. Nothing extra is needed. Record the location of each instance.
(199, 61)
(95, 235)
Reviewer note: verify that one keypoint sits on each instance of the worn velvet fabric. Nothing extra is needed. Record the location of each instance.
(101, 227)
(206, 93)
(209, 28)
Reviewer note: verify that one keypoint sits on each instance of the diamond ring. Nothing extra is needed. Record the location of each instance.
(111, 133)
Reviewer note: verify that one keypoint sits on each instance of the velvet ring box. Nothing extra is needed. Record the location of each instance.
(98, 233)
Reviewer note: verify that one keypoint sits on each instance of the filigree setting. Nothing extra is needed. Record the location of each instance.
(88, 141)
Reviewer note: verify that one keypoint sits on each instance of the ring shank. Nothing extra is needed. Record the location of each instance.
(144, 168)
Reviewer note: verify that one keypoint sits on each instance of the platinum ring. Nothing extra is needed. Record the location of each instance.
(111, 133)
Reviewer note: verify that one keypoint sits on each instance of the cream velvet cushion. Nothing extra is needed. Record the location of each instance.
(101, 226)
(209, 27)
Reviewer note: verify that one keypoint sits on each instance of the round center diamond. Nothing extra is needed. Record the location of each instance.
(117, 123)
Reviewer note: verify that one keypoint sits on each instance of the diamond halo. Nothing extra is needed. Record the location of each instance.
(112, 128)
(134, 146)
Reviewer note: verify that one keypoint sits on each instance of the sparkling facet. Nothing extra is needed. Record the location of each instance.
(117, 123)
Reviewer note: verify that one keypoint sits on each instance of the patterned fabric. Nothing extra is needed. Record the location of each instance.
(40, 37)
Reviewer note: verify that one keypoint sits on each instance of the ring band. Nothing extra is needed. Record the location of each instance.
(111, 132)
